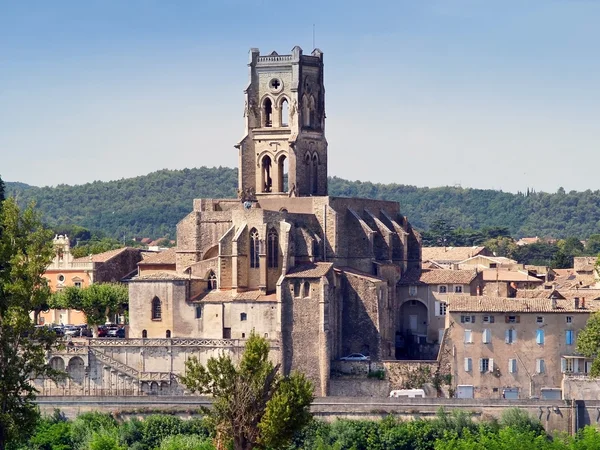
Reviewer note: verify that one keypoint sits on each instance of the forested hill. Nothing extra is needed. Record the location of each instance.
(151, 205)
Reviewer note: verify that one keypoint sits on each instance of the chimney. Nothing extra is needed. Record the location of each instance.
(576, 302)
(553, 302)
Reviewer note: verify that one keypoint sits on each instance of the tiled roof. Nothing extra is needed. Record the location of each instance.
(450, 253)
(219, 295)
(438, 276)
(464, 303)
(314, 270)
(358, 273)
(508, 275)
(103, 257)
(164, 257)
(162, 276)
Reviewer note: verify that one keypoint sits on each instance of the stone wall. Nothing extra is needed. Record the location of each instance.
(118, 266)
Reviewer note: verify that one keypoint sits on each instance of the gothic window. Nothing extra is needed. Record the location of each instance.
(285, 112)
(254, 248)
(272, 249)
(283, 174)
(156, 309)
(144, 334)
(315, 248)
(296, 289)
(313, 174)
(268, 113)
(313, 113)
(266, 174)
(305, 111)
(212, 281)
(168, 334)
(306, 292)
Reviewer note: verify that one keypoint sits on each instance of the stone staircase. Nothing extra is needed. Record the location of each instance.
(128, 370)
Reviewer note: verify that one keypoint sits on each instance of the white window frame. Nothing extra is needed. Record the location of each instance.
(540, 366)
(488, 319)
(486, 336)
(444, 287)
(569, 319)
(468, 365)
(486, 365)
(510, 336)
(467, 319)
(468, 336)
(441, 309)
(458, 289)
(512, 365)
(412, 289)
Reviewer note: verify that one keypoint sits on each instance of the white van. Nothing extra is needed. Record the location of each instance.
(408, 393)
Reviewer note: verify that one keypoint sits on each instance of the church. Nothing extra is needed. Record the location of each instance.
(316, 275)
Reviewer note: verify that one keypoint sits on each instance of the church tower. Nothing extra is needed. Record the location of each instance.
(285, 126)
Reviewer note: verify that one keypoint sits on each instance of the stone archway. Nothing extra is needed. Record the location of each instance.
(412, 332)
(76, 370)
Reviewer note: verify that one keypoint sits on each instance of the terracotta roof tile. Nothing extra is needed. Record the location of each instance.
(438, 276)
(464, 303)
(163, 276)
(508, 275)
(219, 295)
(314, 270)
(164, 257)
(104, 256)
(450, 254)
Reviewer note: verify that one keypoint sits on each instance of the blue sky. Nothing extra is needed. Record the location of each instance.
(486, 94)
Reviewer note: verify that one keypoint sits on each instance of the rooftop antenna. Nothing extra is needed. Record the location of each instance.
(314, 46)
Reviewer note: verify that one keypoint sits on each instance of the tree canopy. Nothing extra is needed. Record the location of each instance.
(253, 405)
(25, 252)
(97, 301)
(151, 205)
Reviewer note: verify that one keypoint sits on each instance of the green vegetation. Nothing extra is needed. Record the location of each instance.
(25, 252)
(516, 430)
(253, 405)
(97, 301)
(588, 342)
(151, 205)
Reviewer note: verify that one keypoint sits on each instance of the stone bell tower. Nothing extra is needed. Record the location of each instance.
(285, 126)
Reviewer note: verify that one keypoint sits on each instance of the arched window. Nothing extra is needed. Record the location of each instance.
(268, 113)
(168, 334)
(212, 281)
(296, 289)
(305, 111)
(315, 248)
(156, 309)
(243, 317)
(285, 112)
(272, 249)
(313, 113)
(306, 292)
(144, 334)
(283, 173)
(254, 248)
(314, 177)
(267, 182)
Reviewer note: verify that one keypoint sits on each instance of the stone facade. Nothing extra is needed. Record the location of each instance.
(514, 347)
(315, 275)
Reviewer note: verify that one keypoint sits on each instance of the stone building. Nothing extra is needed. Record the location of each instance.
(514, 347)
(315, 275)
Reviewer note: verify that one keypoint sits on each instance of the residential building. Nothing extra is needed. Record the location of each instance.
(446, 257)
(514, 347)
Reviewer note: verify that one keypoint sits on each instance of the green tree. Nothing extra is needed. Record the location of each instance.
(588, 342)
(592, 245)
(501, 246)
(97, 301)
(25, 252)
(2, 187)
(254, 406)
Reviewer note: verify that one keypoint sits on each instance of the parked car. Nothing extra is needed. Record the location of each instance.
(355, 357)
(408, 393)
(71, 330)
(59, 330)
(102, 331)
(84, 331)
(116, 332)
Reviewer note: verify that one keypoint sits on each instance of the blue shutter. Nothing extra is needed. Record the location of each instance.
(539, 336)
(569, 337)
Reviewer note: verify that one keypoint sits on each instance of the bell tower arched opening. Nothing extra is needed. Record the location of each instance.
(266, 180)
(267, 113)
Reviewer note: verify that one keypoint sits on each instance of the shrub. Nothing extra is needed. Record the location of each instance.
(186, 442)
